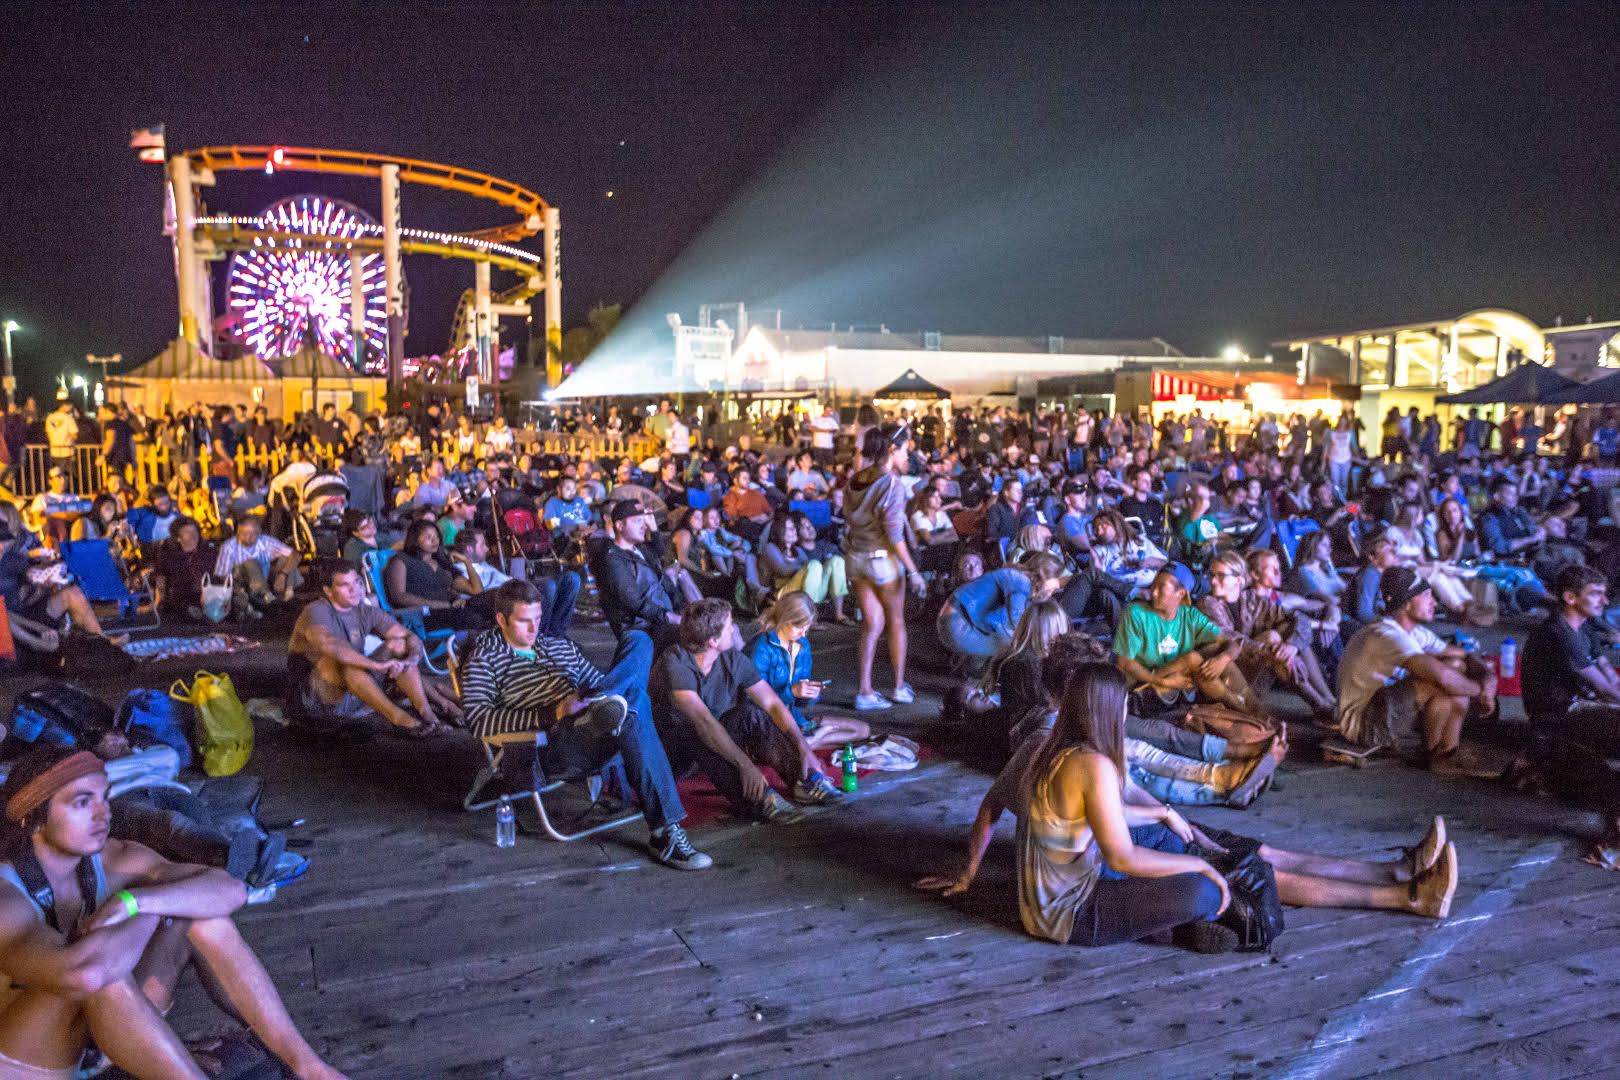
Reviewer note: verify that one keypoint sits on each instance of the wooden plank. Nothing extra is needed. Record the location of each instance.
(1587, 1047)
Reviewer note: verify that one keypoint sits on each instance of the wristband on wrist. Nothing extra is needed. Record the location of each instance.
(131, 908)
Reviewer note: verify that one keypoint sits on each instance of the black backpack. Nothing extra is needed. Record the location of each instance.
(59, 714)
(1256, 912)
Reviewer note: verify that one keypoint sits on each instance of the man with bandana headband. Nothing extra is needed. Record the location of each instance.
(94, 934)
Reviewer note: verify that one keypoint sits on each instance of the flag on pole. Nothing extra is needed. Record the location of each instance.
(149, 141)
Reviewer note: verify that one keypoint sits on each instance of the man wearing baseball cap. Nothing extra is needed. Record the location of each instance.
(95, 932)
(1397, 676)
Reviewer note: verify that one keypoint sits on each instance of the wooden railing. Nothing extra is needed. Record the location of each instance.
(156, 464)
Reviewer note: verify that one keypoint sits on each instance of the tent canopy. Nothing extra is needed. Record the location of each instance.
(913, 385)
(1527, 384)
(1604, 391)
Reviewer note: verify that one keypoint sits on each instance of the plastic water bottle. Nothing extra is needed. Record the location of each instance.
(1507, 666)
(505, 824)
(851, 782)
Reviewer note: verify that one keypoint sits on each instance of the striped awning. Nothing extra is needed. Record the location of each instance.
(1168, 387)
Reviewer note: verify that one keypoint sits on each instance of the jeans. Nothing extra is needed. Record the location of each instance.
(1122, 908)
(557, 595)
(1339, 473)
(568, 752)
(1176, 740)
(820, 578)
(755, 734)
(959, 635)
(1090, 592)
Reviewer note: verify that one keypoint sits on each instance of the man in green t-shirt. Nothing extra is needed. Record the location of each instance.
(1172, 651)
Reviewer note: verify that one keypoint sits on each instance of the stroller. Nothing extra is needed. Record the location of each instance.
(317, 524)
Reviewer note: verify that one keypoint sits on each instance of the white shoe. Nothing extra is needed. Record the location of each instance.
(868, 702)
(903, 694)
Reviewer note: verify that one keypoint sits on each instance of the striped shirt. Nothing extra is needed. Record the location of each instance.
(504, 691)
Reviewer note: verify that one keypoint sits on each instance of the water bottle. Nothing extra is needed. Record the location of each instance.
(1507, 666)
(505, 824)
(851, 782)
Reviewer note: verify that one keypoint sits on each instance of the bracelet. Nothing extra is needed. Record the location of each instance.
(131, 908)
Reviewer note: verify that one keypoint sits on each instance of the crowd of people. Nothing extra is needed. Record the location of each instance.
(1126, 614)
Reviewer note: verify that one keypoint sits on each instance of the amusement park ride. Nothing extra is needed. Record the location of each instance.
(312, 266)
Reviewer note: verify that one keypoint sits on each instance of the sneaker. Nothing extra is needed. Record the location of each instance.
(671, 847)
(903, 694)
(603, 716)
(868, 702)
(814, 790)
(776, 810)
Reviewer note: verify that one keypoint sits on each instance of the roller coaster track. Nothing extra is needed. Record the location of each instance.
(528, 206)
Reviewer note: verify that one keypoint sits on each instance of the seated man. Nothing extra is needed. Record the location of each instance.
(1572, 697)
(1396, 675)
(133, 922)
(715, 711)
(334, 675)
(456, 515)
(633, 590)
(515, 680)
(557, 593)
(806, 481)
(262, 566)
(183, 560)
(1507, 531)
(1173, 654)
(566, 512)
(747, 510)
(153, 520)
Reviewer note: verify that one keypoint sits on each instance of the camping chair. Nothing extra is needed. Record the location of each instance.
(435, 643)
(1289, 532)
(819, 511)
(495, 747)
(697, 498)
(102, 581)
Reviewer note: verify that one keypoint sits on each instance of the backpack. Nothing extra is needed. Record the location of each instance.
(1256, 912)
(59, 714)
(151, 716)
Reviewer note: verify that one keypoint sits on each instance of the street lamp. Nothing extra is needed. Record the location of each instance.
(80, 384)
(10, 384)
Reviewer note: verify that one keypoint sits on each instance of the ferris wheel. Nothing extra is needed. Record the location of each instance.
(286, 288)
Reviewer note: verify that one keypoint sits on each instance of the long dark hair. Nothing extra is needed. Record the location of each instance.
(1090, 719)
(412, 543)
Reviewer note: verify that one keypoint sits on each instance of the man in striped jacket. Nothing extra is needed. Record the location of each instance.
(516, 680)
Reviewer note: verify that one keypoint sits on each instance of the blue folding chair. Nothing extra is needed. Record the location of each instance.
(697, 498)
(435, 643)
(1288, 532)
(819, 511)
(93, 565)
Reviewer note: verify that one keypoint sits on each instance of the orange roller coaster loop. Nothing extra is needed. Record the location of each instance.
(529, 207)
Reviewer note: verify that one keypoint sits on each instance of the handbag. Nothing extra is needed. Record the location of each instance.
(1226, 723)
(223, 734)
(216, 598)
(1255, 914)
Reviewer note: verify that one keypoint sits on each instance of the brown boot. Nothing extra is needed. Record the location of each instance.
(1431, 892)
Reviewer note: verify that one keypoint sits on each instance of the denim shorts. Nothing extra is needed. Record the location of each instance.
(878, 566)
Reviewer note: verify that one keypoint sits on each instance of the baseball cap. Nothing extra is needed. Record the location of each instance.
(1398, 585)
(626, 508)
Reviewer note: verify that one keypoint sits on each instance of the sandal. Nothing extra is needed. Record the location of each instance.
(419, 730)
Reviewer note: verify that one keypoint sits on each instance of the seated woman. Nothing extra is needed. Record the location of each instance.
(1121, 553)
(937, 541)
(1337, 520)
(105, 522)
(1031, 539)
(1456, 546)
(793, 564)
(978, 619)
(781, 652)
(1414, 549)
(36, 602)
(183, 560)
(420, 577)
(691, 558)
(730, 554)
(1275, 646)
(1000, 701)
(1101, 862)
(1315, 578)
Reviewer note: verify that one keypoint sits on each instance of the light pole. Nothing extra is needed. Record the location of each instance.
(11, 327)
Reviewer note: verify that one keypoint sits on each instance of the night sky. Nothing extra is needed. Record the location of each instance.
(1205, 173)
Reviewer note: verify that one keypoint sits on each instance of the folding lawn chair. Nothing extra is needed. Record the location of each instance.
(495, 747)
(102, 581)
(435, 643)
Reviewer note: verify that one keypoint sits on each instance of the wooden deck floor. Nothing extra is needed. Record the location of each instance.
(415, 948)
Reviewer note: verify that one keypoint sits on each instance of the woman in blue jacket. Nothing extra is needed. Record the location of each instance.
(781, 652)
(979, 618)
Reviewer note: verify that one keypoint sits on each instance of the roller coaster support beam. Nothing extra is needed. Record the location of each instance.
(553, 274)
(393, 274)
(185, 243)
(481, 321)
(357, 307)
